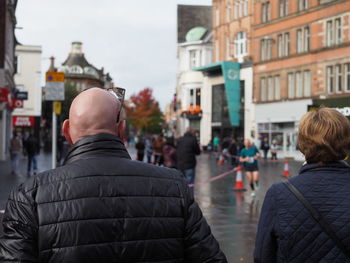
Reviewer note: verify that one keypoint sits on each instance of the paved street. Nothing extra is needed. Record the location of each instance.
(233, 216)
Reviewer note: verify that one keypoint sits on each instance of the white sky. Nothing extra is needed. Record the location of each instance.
(135, 41)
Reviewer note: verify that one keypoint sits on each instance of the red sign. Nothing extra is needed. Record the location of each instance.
(17, 103)
(4, 95)
(23, 121)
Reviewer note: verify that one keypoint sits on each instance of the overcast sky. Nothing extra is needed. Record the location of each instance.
(135, 41)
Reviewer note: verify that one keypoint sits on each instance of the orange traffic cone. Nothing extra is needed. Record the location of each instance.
(221, 160)
(286, 169)
(239, 183)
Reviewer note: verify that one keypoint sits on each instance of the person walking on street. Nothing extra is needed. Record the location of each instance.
(149, 149)
(274, 148)
(187, 149)
(15, 150)
(32, 148)
(265, 147)
(140, 147)
(158, 150)
(306, 218)
(216, 143)
(169, 153)
(233, 152)
(249, 158)
(101, 206)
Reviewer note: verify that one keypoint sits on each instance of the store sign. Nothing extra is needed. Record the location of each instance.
(17, 104)
(4, 95)
(21, 95)
(345, 111)
(23, 121)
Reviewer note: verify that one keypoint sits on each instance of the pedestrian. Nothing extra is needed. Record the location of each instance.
(216, 143)
(187, 149)
(249, 158)
(158, 150)
(232, 151)
(149, 149)
(169, 153)
(274, 148)
(140, 147)
(224, 148)
(15, 150)
(101, 206)
(32, 148)
(265, 147)
(307, 219)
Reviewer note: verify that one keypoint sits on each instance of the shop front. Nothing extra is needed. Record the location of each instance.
(341, 104)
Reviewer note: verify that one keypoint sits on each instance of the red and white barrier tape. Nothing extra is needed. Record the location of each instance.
(214, 178)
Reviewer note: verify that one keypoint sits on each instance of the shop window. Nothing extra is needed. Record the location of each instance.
(303, 39)
(303, 4)
(240, 45)
(347, 77)
(330, 79)
(265, 12)
(307, 83)
(338, 78)
(283, 7)
(277, 87)
(263, 89)
(270, 89)
(333, 32)
(291, 88)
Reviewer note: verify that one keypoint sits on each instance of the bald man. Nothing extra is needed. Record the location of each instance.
(101, 206)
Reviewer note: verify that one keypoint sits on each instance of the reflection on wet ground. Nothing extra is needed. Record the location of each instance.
(233, 216)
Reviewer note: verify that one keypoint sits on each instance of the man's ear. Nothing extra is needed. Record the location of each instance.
(121, 129)
(65, 131)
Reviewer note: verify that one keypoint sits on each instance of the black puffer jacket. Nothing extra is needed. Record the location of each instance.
(103, 207)
(187, 149)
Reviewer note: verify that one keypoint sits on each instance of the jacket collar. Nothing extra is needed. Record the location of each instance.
(335, 165)
(102, 144)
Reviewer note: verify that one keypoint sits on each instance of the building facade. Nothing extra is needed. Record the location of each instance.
(27, 113)
(7, 71)
(301, 58)
(80, 73)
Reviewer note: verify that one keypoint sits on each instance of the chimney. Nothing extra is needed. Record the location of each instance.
(77, 48)
(52, 65)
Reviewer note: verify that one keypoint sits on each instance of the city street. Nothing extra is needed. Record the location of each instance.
(233, 216)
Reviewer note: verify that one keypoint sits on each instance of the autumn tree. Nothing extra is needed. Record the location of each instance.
(143, 112)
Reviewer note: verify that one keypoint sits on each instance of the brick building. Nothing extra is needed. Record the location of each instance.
(301, 57)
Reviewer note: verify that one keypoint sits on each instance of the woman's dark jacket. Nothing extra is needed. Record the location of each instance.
(288, 233)
(187, 148)
(103, 207)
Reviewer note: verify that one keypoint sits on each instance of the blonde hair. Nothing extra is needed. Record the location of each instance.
(324, 136)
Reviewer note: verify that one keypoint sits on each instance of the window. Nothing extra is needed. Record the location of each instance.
(283, 8)
(291, 92)
(245, 7)
(240, 9)
(235, 10)
(76, 70)
(240, 44)
(270, 89)
(299, 84)
(283, 45)
(330, 79)
(333, 32)
(303, 4)
(198, 97)
(193, 59)
(347, 77)
(263, 89)
(338, 78)
(277, 87)
(217, 50)
(265, 12)
(266, 49)
(303, 40)
(307, 83)
(217, 16)
(18, 64)
(228, 13)
(228, 49)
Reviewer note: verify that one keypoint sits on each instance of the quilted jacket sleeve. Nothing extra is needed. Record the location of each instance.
(200, 245)
(19, 241)
(265, 244)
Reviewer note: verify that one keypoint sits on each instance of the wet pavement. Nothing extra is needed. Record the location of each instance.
(233, 216)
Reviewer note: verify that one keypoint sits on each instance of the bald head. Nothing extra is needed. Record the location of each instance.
(93, 111)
